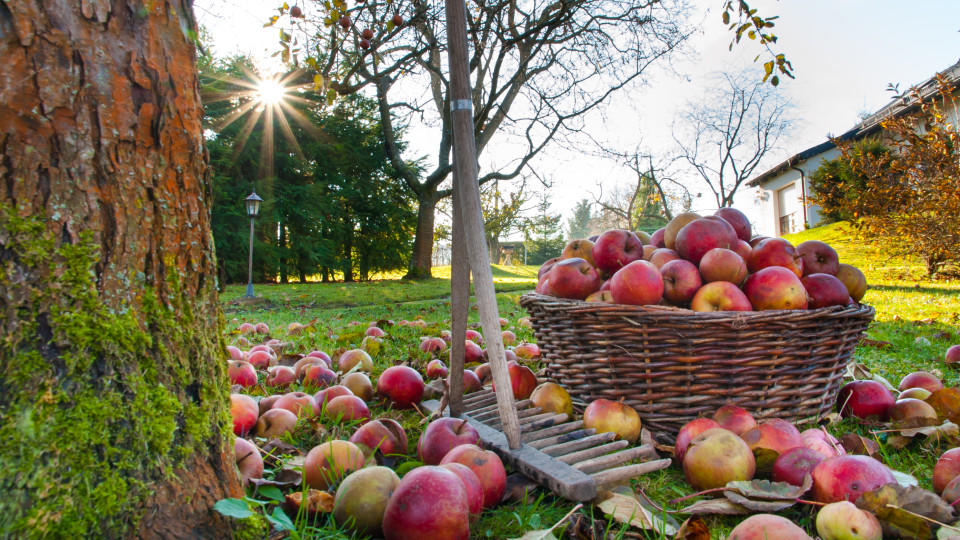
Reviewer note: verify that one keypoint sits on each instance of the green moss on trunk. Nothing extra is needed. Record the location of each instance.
(97, 404)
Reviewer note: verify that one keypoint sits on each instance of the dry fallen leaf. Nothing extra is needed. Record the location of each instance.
(716, 506)
(318, 502)
(946, 402)
(948, 431)
(693, 529)
(855, 444)
(906, 511)
(627, 509)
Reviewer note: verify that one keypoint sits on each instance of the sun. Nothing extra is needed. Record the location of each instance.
(271, 92)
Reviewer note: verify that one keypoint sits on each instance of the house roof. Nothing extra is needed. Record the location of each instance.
(868, 126)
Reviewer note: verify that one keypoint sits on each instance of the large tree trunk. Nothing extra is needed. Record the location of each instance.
(114, 400)
(422, 259)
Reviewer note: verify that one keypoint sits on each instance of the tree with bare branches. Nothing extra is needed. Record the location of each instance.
(726, 135)
(645, 203)
(537, 71)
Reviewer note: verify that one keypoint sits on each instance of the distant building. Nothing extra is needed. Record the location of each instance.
(784, 191)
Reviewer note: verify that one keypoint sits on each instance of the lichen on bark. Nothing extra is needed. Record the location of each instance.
(93, 414)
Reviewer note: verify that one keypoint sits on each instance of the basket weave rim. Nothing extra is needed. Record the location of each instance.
(552, 303)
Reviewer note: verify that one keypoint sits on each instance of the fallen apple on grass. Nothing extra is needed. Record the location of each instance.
(430, 502)
(608, 416)
(329, 462)
(244, 411)
(715, 457)
(402, 385)
(441, 436)
(486, 465)
(249, 460)
(362, 497)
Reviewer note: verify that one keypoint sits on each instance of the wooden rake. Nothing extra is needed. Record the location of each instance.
(561, 455)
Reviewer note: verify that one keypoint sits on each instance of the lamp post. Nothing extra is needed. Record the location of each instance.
(253, 208)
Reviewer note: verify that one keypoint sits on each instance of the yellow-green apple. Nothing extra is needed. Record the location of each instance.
(359, 385)
(846, 478)
(324, 396)
(318, 376)
(662, 256)
(371, 344)
(578, 248)
(402, 385)
(853, 278)
(737, 220)
(551, 397)
(441, 436)
(721, 264)
(275, 422)
(795, 464)
(430, 502)
(573, 278)
(608, 416)
(486, 465)
(638, 283)
(508, 337)
(657, 237)
(686, 434)
(527, 351)
(818, 258)
(775, 252)
(436, 369)
(767, 527)
(916, 393)
(471, 483)
(720, 296)
(295, 328)
(912, 413)
(699, 236)
(734, 418)
(775, 287)
(604, 296)
(349, 359)
(249, 460)
(770, 439)
(242, 373)
(681, 281)
(643, 236)
(648, 251)
(674, 226)
(715, 457)
(865, 399)
(921, 379)
(362, 497)
(616, 248)
(946, 469)
(952, 356)
(842, 520)
(329, 462)
(347, 409)
(244, 411)
(824, 290)
(383, 435)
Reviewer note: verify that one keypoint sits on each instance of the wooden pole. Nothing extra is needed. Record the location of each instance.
(465, 185)
(459, 308)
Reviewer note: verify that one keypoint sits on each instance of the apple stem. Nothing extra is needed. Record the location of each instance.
(418, 410)
(460, 427)
(695, 495)
(813, 503)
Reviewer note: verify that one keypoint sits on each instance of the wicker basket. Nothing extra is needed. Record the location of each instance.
(673, 365)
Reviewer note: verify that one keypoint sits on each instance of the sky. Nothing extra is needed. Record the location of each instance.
(844, 54)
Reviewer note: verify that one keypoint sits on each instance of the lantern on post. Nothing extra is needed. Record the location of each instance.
(253, 209)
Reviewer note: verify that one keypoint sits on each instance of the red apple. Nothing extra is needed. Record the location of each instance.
(321, 355)
(432, 344)
(720, 296)
(681, 281)
(483, 370)
(952, 356)
(578, 248)
(720, 264)
(472, 352)
(527, 351)
(699, 236)
(756, 240)
(402, 385)
(686, 434)
(242, 373)
(946, 469)
(262, 328)
(615, 249)
(909, 413)
(247, 328)
(374, 331)
(846, 478)
(770, 439)
(318, 376)
(383, 435)
(367, 33)
(853, 279)
(327, 463)
(345, 22)
(441, 435)
(865, 399)
(280, 376)
(546, 267)
(921, 379)
(672, 228)
(436, 369)
(767, 527)
(775, 287)
(486, 465)
(825, 290)
(607, 416)
(818, 258)
(471, 382)
(522, 380)
(638, 283)
(662, 256)
(775, 252)
(324, 396)
(474, 336)
(397, 20)
(347, 409)
(275, 422)
(794, 464)
(260, 359)
(734, 418)
(743, 249)
(249, 460)
(244, 411)
(234, 352)
(471, 484)
(657, 238)
(429, 503)
(573, 278)
(737, 220)
(300, 368)
(508, 338)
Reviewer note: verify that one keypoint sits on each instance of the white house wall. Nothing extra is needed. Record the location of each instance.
(767, 195)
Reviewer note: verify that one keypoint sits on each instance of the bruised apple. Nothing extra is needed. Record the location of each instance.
(842, 520)
(359, 384)
(249, 460)
(606, 416)
(846, 478)
(275, 422)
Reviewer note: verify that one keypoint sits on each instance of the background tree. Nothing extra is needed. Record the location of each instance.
(644, 205)
(542, 234)
(502, 214)
(911, 194)
(578, 224)
(837, 188)
(537, 71)
(115, 419)
(725, 136)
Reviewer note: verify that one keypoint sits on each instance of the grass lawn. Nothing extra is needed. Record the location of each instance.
(918, 317)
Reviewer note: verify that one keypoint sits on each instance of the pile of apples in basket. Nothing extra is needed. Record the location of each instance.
(707, 263)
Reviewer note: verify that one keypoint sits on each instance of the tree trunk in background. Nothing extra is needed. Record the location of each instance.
(422, 259)
(114, 402)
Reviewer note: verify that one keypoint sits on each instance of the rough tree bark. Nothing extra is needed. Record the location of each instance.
(114, 402)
